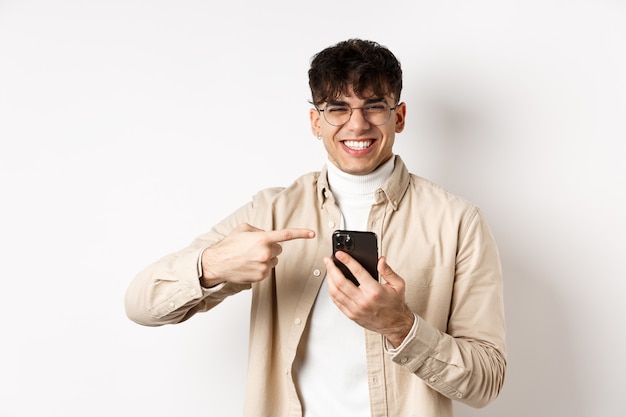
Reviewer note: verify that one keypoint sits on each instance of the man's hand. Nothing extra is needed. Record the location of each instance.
(378, 307)
(246, 255)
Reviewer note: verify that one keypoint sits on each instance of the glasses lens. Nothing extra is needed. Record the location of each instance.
(337, 115)
(376, 113)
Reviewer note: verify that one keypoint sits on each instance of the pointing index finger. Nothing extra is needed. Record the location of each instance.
(284, 235)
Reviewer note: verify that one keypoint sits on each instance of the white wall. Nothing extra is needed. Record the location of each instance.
(128, 127)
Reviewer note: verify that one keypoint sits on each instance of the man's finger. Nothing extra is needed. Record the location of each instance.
(355, 267)
(284, 235)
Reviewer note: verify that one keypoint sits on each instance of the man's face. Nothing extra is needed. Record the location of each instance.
(358, 147)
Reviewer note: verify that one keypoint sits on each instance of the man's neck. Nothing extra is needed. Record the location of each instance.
(345, 184)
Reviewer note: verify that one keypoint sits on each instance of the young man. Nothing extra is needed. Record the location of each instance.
(430, 331)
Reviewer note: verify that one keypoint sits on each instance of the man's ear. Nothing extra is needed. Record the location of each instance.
(400, 116)
(314, 117)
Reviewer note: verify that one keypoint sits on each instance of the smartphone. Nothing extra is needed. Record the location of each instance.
(362, 246)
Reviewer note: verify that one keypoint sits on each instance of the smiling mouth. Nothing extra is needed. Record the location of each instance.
(358, 145)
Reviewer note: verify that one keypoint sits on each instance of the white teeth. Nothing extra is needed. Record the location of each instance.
(358, 145)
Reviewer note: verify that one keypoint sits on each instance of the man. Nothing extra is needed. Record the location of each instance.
(429, 331)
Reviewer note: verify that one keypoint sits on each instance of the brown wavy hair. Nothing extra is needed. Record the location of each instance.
(364, 66)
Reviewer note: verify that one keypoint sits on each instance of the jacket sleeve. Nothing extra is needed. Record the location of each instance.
(169, 290)
(467, 362)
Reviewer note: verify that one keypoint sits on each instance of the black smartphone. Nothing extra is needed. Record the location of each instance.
(362, 246)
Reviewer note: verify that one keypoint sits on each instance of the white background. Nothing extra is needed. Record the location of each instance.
(129, 127)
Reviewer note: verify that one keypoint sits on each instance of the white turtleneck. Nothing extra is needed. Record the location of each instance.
(355, 193)
(331, 366)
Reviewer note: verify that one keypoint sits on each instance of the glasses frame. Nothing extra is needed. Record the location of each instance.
(391, 109)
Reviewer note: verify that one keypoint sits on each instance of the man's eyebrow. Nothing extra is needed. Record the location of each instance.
(338, 102)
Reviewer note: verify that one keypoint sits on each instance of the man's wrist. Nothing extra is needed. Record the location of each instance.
(209, 282)
(396, 336)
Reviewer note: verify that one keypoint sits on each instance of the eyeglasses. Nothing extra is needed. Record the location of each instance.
(375, 113)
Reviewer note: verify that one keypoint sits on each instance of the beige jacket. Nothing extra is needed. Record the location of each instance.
(439, 243)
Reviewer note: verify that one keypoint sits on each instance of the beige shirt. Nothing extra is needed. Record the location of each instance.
(439, 243)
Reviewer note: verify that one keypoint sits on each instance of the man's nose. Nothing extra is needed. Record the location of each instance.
(357, 118)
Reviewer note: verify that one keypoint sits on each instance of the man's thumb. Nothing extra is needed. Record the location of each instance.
(388, 274)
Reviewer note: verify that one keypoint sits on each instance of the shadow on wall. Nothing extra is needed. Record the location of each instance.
(542, 377)
(470, 144)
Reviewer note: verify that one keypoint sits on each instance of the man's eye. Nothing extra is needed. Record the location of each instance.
(375, 108)
(338, 109)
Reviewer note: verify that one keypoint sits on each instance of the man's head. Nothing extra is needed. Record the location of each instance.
(355, 87)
